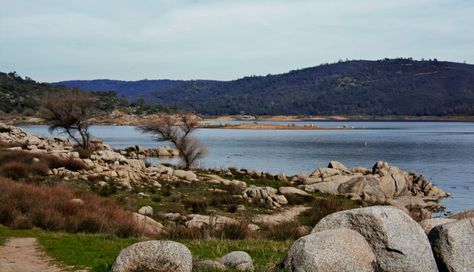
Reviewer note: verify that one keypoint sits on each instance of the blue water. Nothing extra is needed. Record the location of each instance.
(442, 151)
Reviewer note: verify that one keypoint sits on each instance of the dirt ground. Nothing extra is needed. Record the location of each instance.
(24, 254)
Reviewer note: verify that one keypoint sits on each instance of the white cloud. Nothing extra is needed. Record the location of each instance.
(55, 40)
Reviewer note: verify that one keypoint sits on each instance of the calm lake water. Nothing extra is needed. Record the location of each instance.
(442, 151)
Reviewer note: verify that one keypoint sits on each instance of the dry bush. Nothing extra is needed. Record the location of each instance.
(220, 200)
(196, 205)
(321, 207)
(177, 129)
(181, 232)
(284, 231)
(67, 112)
(237, 231)
(50, 208)
(21, 165)
(19, 170)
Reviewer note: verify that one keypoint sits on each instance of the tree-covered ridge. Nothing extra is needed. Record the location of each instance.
(23, 96)
(384, 87)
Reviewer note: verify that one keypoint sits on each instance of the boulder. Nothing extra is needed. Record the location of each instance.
(136, 164)
(337, 165)
(429, 224)
(239, 260)
(453, 245)
(186, 175)
(339, 249)
(146, 210)
(77, 202)
(217, 221)
(147, 226)
(111, 156)
(292, 191)
(154, 256)
(162, 151)
(398, 242)
(325, 173)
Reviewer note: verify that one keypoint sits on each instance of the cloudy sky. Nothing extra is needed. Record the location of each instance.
(52, 40)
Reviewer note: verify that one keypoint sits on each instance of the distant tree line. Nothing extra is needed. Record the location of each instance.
(401, 86)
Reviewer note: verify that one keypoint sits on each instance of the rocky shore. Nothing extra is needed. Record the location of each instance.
(384, 237)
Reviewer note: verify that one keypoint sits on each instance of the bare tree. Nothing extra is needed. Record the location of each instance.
(67, 112)
(177, 129)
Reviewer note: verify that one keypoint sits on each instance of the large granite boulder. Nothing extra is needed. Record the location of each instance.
(398, 242)
(154, 256)
(453, 245)
(339, 249)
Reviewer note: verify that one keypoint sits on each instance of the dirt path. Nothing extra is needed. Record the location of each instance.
(288, 215)
(23, 254)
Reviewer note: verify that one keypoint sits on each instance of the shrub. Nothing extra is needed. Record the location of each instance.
(323, 206)
(284, 231)
(196, 205)
(19, 165)
(219, 200)
(5, 130)
(237, 231)
(84, 153)
(50, 208)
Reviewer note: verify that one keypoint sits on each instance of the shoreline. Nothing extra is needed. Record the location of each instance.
(133, 120)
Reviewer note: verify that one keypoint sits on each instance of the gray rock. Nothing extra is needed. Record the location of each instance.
(453, 245)
(186, 175)
(331, 250)
(147, 226)
(292, 191)
(154, 256)
(239, 260)
(146, 210)
(429, 224)
(337, 165)
(398, 242)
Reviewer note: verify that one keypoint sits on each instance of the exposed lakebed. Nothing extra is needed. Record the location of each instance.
(442, 151)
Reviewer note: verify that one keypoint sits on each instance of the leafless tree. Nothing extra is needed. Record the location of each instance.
(68, 112)
(177, 129)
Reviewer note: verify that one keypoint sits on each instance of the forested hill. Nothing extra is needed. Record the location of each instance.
(23, 95)
(384, 87)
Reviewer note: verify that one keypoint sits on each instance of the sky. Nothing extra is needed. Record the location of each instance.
(53, 40)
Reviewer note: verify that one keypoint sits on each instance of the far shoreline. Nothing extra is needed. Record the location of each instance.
(251, 122)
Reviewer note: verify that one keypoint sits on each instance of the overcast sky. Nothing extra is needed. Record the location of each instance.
(52, 40)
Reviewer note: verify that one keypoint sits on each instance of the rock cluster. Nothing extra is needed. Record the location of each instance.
(104, 164)
(138, 152)
(268, 195)
(383, 184)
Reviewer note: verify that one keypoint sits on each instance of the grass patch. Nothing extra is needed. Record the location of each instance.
(97, 252)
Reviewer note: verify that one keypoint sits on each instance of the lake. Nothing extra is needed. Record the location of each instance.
(442, 151)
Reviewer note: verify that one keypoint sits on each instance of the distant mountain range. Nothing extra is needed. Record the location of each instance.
(359, 87)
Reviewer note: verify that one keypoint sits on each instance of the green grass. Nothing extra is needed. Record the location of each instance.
(97, 252)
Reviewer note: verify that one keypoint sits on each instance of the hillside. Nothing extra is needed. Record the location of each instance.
(384, 87)
(21, 96)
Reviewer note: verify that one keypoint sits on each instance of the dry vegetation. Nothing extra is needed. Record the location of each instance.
(58, 208)
(22, 165)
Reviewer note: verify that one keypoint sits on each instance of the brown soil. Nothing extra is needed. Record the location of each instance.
(23, 254)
